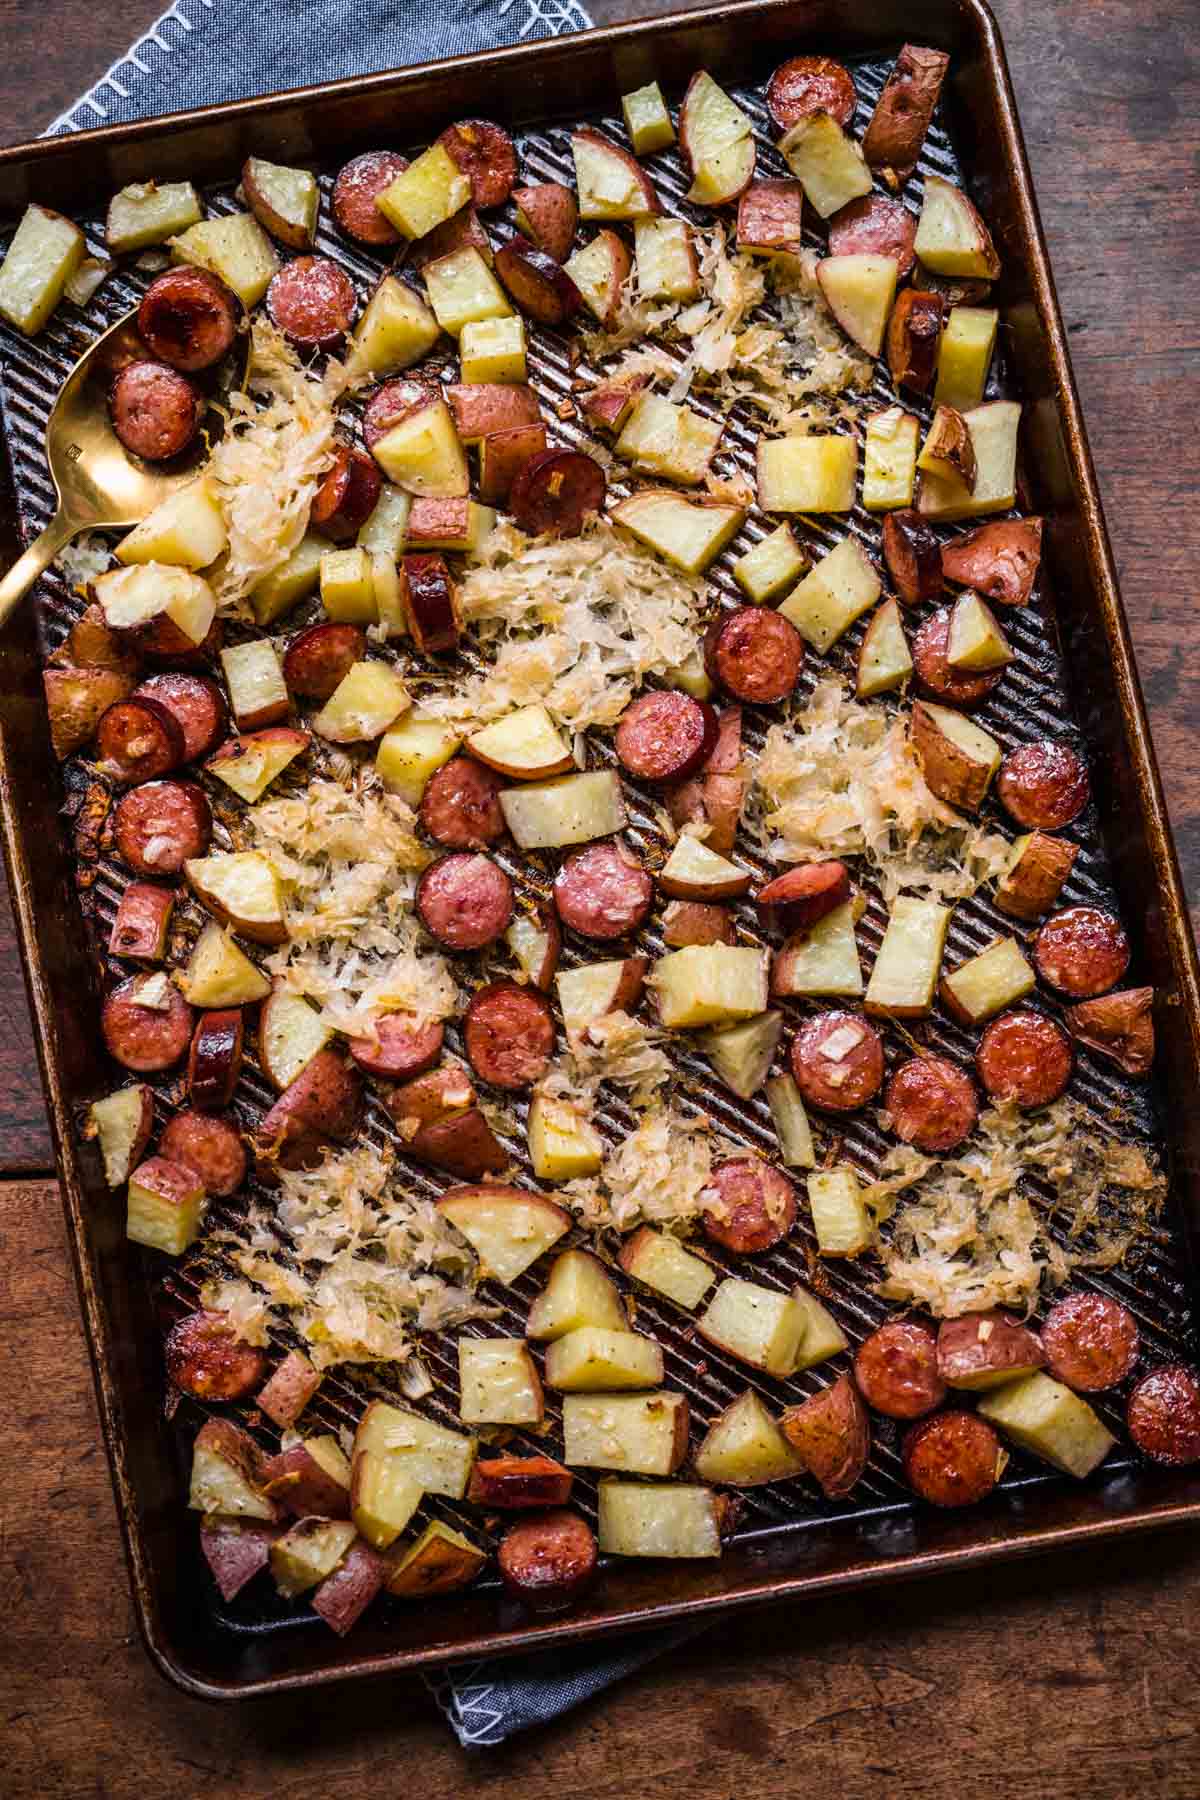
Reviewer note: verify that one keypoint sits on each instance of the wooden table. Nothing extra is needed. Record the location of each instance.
(1068, 1676)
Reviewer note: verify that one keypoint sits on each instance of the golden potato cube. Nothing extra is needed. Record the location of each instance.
(383, 1498)
(993, 428)
(987, 983)
(773, 564)
(462, 290)
(507, 1228)
(45, 252)
(563, 1145)
(661, 1262)
(665, 260)
(833, 595)
(254, 676)
(637, 1519)
(904, 979)
(647, 120)
(742, 1054)
(745, 1447)
(813, 474)
(369, 698)
(758, 1325)
(828, 165)
(431, 190)
(225, 1474)
(348, 586)
(639, 1434)
(823, 1336)
(890, 459)
(791, 1123)
(1041, 1415)
(187, 529)
(236, 249)
(839, 1213)
(219, 973)
(384, 533)
(664, 439)
(965, 356)
(165, 1204)
(310, 1551)
(292, 581)
(395, 331)
(976, 639)
(436, 1459)
(594, 1359)
(414, 749)
(423, 454)
(437, 1562)
(884, 659)
(148, 212)
(688, 533)
(821, 962)
(579, 1295)
(710, 984)
(499, 1382)
(570, 809)
(493, 349)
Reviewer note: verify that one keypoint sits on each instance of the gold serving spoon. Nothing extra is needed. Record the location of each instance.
(99, 484)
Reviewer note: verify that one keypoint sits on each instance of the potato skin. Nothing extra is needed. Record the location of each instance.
(971, 1358)
(951, 774)
(321, 1104)
(897, 127)
(296, 1479)
(833, 1435)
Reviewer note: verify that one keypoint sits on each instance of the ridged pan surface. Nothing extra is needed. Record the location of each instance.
(1032, 702)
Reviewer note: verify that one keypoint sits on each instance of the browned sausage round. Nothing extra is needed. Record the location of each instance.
(196, 704)
(207, 1360)
(312, 302)
(1091, 1341)
(896, 1370)
(955, 687)
(875, 226)
(799, 899)
(547, 1562)
(161, 825)
(932, 1104)
(665, 736)
(346, 497)
(845, 1079)
(391, 403)
(356, 190)
(1081, 952)
(137, 740)
(1163, 1415)
(161, 641)
(401, 1047)
(465, 901)
(145, 1038)
(752, 1207)
(155, 410)
(461, 805)
(539, 285)
(210, 1147)
(913, 556)
(555, 491)
(809, 84)
(1024, 1056)
(188, 318)
(753, 654)
(602, 892)
(508, 1035)
(484, 152)
(1042, 786)
(215, 1058)
(955, 1459)
(315, 663)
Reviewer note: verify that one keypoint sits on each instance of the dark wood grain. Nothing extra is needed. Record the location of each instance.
(1064, 1677)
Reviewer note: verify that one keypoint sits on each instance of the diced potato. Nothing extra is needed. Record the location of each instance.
(833, 594)
(588, 992)
(859, 291)
(187, 529)
(283, 200)
(609, 181)
(248, 765)
(236, 249)
(773, 563)
(890, 458)
(146, 213)
(219, 973)
(431, 190)
(904, 979)
(694, 872)
(258, 693)
(122, 1122)
(241, 889)
(493, 349)
(1038, 865)
(147, 591)
(579, 1295)
(462, 290)
(82, 287)
(742, 1054)
(348, 586)
(717, 141)
(414, 749)
(692, 676)
(384, 533)
(437, 1562)
(814, 474)
(290, 1388)
(563, 1144)
(383, 1497)
(839, 1213)
(573, 809)
(508, 1228)
(599, 271)
(535, 942)
(828, 165)
(165, 1206)
(639, 1434)
(225, 1474)
(710, 984)
(395, 331)
(951, 238)
(823, 1336)
(965, 356)
(594, 1360)
(689, 534)
(290, 1034)
(647, 120)
(821, 962)
(526, 745)
(436, 1460)
(499, 1382)
(987, 983)
(310, 1551)
(458, 524)
(758, 1325)
(948, 451)
(369, 698)
(661, 1262)
(791, 1123)
(45, 252)
(976, 639)
(293, 580)
(957, 756)
(884, 659)
(745, 1447)
(640, 1520)
(665, 260)
(423, 454)
(1041, 1415)
(664, 439)
(993, 429)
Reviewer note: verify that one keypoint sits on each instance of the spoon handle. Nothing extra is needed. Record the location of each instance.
(36, 560)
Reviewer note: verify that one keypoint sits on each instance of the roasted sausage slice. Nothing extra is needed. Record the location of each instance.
(315, 663)
(155, 410)
(1082, 951)
(137, 740)
(1091, 1341)
(210, 1147)
(954, 1459)
(954, 687)
(932, 1104)
(799, 899)
(356, 190)
(665, 736)
(1043, 786)
(1024, 1056)
(312, 302)
(401, 1048)
(347, 495)
(460, 807)
(205, 1358)
(485, 154)
(519, 1483)
(748, 1205)
(508, 1035)
(754, 655)
(837, 1061)
(896, 1370)
(809, 84)
(196, 704)
(160, 825)
(215, 1058)
(547, 1562)
(465, 901)
(1163, 1415)
(539, 285)
(555, 491)
(188, 318)
(602, 892)
(145, 1036)
(1119, 1026)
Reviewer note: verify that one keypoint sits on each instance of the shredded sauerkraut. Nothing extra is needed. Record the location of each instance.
(657, 1174)
(83, 559)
